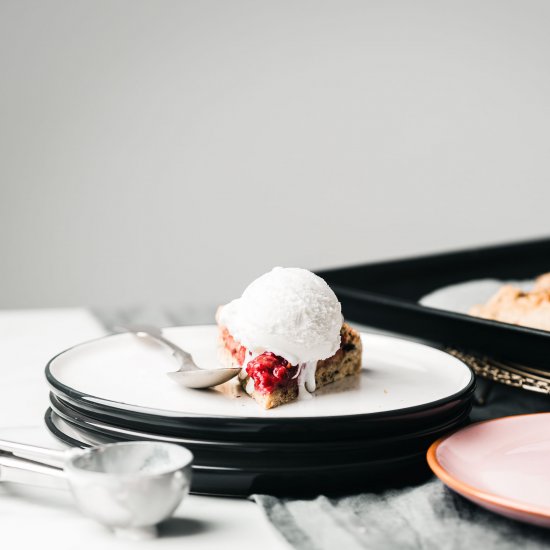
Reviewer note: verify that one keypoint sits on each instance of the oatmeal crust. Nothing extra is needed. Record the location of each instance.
(345, 362)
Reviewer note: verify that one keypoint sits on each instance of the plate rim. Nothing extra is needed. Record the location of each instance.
(448, 424)
(160, 413)
(473, 493)
(385, 460)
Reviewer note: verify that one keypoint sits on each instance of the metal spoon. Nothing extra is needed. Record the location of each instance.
(129, 486)
(188, 375)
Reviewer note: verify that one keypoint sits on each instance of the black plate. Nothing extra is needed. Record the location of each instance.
(283, 481)
(386, 294)
(336, 428)
(247, 454)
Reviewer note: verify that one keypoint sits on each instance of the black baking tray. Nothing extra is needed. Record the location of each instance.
(385, 295)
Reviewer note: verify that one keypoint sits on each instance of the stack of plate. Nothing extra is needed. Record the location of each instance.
(362, 432)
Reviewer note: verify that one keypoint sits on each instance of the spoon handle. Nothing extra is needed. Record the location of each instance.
(20, 470)
(52, 457)
(184, 358)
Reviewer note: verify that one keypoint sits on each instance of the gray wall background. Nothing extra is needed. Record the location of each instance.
(169, 151)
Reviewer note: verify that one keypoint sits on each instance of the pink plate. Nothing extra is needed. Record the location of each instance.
(502, 465)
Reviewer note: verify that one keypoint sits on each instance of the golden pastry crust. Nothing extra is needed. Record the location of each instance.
(542, 282)
(345, 362)
(513, 305)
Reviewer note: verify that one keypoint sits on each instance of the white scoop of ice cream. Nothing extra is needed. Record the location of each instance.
(289, 311)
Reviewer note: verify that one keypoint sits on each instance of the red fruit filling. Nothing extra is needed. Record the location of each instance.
(269, 371)
(237, 351)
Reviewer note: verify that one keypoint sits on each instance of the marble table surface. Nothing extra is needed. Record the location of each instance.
(39, 517)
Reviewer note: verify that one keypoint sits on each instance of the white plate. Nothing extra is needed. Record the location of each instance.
(461, 297)
(125, 372)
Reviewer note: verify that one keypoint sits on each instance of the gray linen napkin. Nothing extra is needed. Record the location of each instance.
(428, 516)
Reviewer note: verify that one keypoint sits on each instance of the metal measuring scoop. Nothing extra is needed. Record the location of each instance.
(129, 486)
(188, 375)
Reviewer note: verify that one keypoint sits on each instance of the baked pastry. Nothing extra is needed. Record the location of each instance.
(542, 282)
(287, 335)
(517, 307)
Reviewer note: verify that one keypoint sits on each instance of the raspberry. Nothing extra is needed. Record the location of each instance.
(238, 351)
(269, 371)
(240, 355)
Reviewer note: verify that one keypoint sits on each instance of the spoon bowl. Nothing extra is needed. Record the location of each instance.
(129, 487)
(189, 374)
